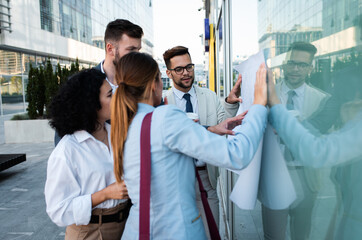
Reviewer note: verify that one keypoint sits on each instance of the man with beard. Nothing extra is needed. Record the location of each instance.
(121, 37)
(303, 101)
(205, 103)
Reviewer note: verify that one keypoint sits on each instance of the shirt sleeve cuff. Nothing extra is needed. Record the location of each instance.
(274, 112)
(82, 209)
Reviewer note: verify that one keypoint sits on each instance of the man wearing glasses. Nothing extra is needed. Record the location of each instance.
(303, 100)
(203, 102)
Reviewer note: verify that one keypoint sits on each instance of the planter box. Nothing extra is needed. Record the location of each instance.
(28, 131)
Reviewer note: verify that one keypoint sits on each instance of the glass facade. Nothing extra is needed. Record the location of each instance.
(84, 21)
(14, 68)
(315, 58)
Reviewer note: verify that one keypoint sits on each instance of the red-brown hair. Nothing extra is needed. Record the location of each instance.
(135, 74)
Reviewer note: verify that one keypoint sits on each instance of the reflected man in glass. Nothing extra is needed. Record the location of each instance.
(302, 100)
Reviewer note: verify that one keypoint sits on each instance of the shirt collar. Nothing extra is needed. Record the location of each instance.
(83, 135)
(143, 107)
(179, 94)
(299, 91)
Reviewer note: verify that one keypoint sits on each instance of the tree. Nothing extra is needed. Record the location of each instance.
(74, 67)
(30, 93)
(51, 84)
(40, 92)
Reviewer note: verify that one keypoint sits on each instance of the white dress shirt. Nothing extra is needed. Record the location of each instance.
(79, 166)
(181, 102)
(298, 98)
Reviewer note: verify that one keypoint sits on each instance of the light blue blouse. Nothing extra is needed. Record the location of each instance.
(175, 141)
(327, 150)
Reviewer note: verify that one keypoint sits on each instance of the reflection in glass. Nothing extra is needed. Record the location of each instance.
(319, 127)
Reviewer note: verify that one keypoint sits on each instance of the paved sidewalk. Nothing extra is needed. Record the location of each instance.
(22, 204)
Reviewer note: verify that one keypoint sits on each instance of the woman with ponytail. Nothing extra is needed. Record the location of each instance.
(81, 190)
(175, 141)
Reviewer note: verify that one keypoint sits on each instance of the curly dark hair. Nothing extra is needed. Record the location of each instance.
(76, 104)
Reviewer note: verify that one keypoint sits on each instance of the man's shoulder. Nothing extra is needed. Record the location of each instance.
(204, 91)
(316, 91)
(98, 67)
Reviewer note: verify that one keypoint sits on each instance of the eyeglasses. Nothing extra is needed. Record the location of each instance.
(300, 65)
(180, 70)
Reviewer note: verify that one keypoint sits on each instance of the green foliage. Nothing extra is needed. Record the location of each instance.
(74, 67)
(51, 83)
(40, 91)
(31, 93)
(20, 117)
(43, 84)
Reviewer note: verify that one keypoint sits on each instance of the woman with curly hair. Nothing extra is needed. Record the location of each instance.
(80, 189)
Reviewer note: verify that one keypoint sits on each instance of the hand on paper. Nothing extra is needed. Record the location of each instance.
(226, 126)
(234, 95)
(260, 87)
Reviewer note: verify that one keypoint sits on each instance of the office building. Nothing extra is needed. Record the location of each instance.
(59, 30)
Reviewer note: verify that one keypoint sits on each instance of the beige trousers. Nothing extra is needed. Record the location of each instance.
(98, 231)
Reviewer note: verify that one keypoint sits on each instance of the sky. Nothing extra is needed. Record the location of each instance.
(176, 23)
(180, 23)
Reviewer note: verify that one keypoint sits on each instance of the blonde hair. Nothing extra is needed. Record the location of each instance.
(135, 74)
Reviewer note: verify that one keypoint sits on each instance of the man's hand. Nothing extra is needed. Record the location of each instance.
(235, 92)
(226, 126)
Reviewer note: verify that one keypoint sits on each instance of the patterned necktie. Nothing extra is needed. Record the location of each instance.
(290, 103)
(188, 102)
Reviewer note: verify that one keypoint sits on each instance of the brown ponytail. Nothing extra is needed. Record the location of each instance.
(135, 74)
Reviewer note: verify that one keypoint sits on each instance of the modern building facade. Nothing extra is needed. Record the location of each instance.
(60, 30)
(334, 27)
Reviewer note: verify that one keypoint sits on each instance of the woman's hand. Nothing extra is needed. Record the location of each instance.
(117, 191)
(260, 87)
(113, 191)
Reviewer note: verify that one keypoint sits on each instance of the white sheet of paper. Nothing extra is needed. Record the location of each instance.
(248, 70)
(245, 191)
(276, 189)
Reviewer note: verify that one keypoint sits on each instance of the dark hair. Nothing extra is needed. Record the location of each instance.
(76, 104)
(303, 46)
(135, 74)
(118, 27)
(175, 51)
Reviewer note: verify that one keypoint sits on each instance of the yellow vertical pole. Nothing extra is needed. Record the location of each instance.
(212, 59)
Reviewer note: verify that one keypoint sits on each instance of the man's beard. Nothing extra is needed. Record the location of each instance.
(116, 58)
(181, 85)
